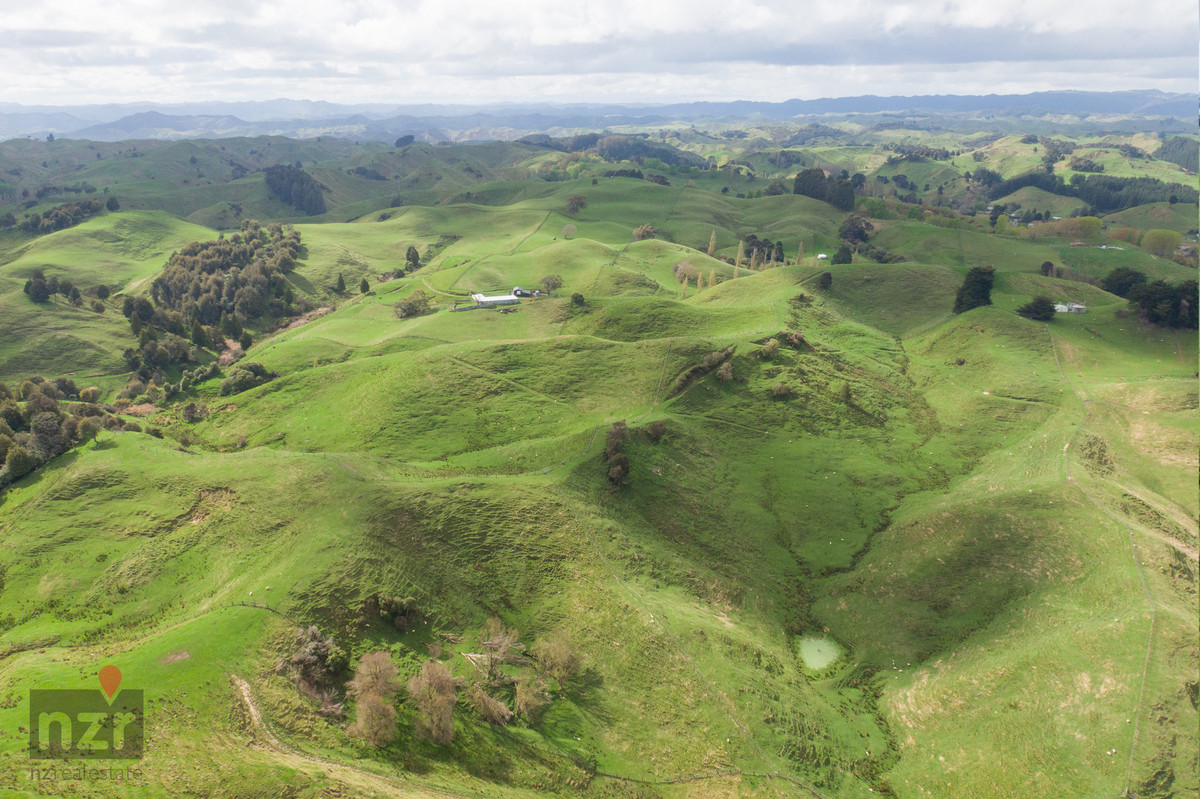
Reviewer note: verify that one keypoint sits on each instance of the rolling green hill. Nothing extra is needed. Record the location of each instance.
(988, 525)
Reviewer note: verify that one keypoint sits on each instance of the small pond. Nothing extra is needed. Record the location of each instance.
(817, 651)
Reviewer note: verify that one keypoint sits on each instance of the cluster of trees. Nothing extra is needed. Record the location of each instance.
(615, 459)
(41, 419)
(854, 232)
(510, 681)
(917, 153)
(229, 282)
(40, 288)
(625, 173)
(1104, 193)
(976, 289)
(1081, 164)
(63, 216)
(296, 187)
(814, 183)
(762, 250)
(716, 359)
(1157, 302)
(245, 376)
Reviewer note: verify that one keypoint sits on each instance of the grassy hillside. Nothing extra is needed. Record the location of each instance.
(991, 523)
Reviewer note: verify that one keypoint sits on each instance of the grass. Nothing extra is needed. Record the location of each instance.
(949, 498)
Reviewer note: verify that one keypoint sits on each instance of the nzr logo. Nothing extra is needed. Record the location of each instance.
(87, 725)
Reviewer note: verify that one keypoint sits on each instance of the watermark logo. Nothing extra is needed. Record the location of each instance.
(106, 724)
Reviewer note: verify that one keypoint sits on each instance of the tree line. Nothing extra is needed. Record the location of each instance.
(64, 216)
(1104, 193)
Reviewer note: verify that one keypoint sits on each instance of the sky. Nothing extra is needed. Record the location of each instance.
(66, 52)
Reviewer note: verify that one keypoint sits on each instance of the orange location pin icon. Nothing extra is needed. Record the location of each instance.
(110, 680)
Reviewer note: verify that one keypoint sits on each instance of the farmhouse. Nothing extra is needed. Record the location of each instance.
(1070, 307)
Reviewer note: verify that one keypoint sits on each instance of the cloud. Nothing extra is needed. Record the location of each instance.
(471, 50)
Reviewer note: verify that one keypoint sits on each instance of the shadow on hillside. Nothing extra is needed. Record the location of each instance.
(585, 690)
(301, 283)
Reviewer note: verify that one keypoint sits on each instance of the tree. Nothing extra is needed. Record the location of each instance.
(404, 141)
(373, 687)
(842, 256)
(725, 373)
(841, 195)
(569, 231)
(19, 462)
(491, 709)
(1048, 268)
(575, 204)
(1122, 281)
(433, 692)
(245, 341)
(577, 299)
(414, 304)
(712, 243)
(102, 291)
(412, 258)
(825, 280)
(976, 289)
(341, 284)
(855, 229)
(364, 286)
(113, 204)
(1040, 309)
(37, 288)
(811, 183)
(642, 232)
(556, 658)
(199, 337)
(1160, 242)
(550, 283)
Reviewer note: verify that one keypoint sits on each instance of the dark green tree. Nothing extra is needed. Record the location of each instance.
(1039, 309)
(412, 258)
(1122, 281)
(575, 204)
(113, 204)
(199, 337)
(364, 286)
(842, 256)
(841, 195)
(341, 284)
(825, 280)
(811, 183)
(976, 289)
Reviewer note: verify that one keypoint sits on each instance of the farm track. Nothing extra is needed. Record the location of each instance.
(352, 777)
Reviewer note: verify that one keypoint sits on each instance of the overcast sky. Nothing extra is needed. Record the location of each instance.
(469, 51)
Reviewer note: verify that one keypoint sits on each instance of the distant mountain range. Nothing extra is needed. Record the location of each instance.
(383, 122)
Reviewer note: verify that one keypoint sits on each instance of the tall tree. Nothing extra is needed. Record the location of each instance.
(976, 289)
(712, 243)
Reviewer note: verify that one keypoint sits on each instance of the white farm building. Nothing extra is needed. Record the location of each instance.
(483, 301)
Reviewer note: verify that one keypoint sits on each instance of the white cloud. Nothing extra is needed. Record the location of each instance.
(60, 51)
